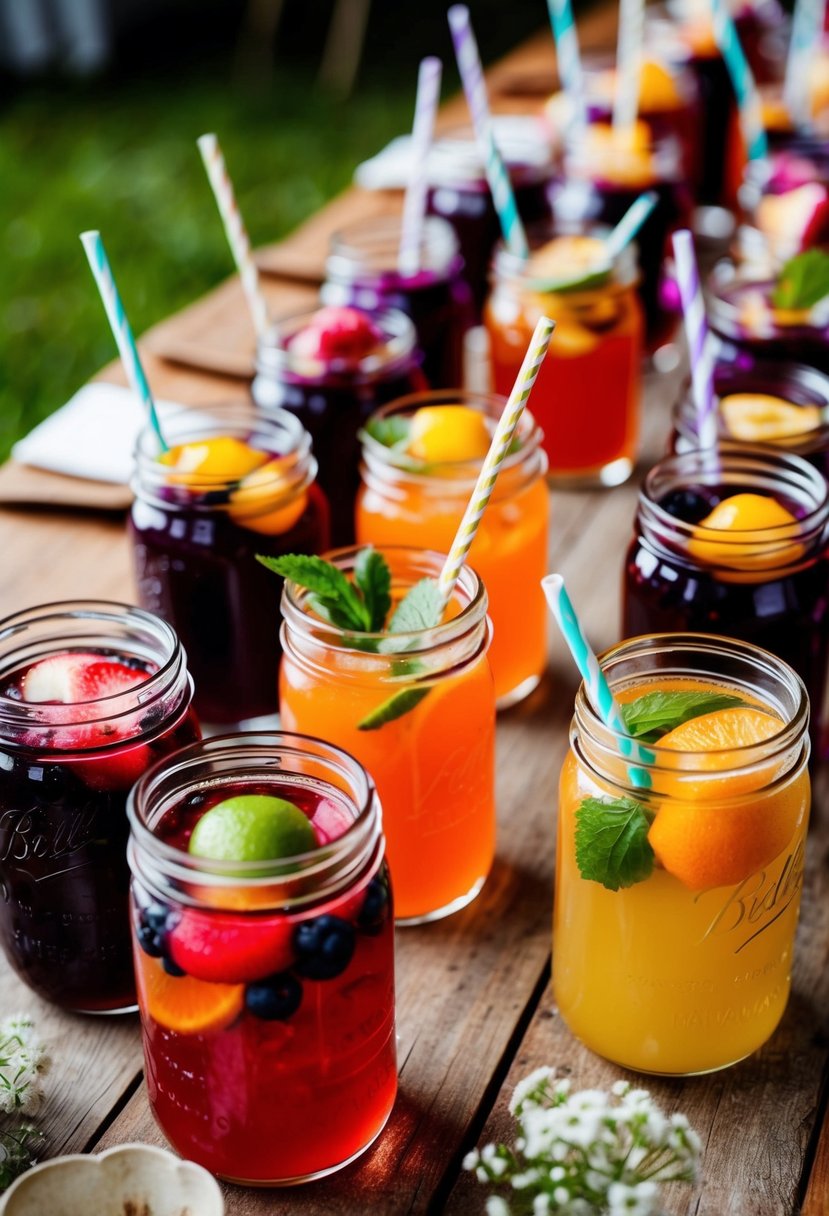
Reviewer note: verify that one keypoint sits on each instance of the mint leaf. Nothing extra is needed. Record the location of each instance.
(333, 597)
(395, 707)
(373, 578)
(612, 845)
(803, 281)
(655, 713)
(420, 608)
(392, 432)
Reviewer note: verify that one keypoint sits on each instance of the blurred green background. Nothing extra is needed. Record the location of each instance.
(116, 152)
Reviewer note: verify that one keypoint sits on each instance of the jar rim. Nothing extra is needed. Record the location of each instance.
(274, 356)
(371, 245)
(623, 273)
(726, 316)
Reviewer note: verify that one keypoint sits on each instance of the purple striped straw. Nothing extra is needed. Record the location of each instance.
(414, 205)
(699, 338)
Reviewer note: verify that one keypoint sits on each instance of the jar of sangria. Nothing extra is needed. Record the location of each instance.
(595, 353)
(784, 200)
(264, 956)
(688, 925)
(417, 709)
(421, 459)
(91, 695)
(460, 194)
(362, 271)
(749, 326)
(332, 368)
(734, 541)
(781, 405)
(605, 170)
(229, 488)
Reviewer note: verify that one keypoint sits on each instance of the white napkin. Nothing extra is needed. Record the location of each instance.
(93, 435)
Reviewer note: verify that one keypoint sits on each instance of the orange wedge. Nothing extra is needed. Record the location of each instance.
(657, 90)
(759, 417)
(260, 503)
(184, 1004)
(221, 456)
(748, 534)
(445, 434)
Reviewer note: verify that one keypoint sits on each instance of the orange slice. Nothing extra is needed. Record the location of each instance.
(254, 504)
(755, 417)
(445, 434)
(221, 456)
(657, 90)
(747, 524)
(698, 836)
(184, 1004)
(621, 155)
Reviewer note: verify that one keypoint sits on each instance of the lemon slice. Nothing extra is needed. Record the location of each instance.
(569, 263)
(755, 417)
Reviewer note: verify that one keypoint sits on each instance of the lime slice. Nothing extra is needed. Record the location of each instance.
(252, 827)
(569, 263)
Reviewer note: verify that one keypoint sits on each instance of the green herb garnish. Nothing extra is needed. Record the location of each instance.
(333, 596)
(372, 578)
(803, 281)
(395, 707)
(392, 432)
(652, 715)
(612, 845)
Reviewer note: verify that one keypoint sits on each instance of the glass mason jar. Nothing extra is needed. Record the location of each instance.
(196, 537)
(694, 959)
(774, 194)
(65, 771)
(605, 171)
(266, 991)
(460, 194)
(332, 399)
(595, 357)
(768, 586)
(800, 425)
(431, 752)
(362, 271)
(403, 502)
(749, 327)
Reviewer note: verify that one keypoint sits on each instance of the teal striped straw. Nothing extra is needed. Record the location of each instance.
(120, 326)
(568, 55)
(595, 683)
(748, 99)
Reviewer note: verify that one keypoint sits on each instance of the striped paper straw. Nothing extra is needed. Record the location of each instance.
(748, 99)
(474, 86)
(630, 223)
(699, 339)
(120, 326)
(235, 230)
(494, 458)
(568, 55)
(807, 24)
(414, 205)
(595, 683)
(628, 62)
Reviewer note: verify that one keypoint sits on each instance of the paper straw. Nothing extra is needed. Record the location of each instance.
(414, 204)
(630, 223)
(568, 55)
(474, 86)
(494, 458)
(235, 229)
(748, 99)
(120, 326)
(699, 339)
(807, 27)
(598, 690)
(628, 62)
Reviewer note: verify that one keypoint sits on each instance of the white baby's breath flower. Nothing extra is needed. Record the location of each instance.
(561, 1195)
(541, 1205)
(495, 1206)
(471, 1159)
(23, 1064)
(525, 1090)
(637, 1200)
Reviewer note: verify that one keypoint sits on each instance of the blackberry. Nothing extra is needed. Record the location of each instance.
(172, 968)
(154, 922)
(324, 947)
(374, 911)
(689, 505)
(274, 999)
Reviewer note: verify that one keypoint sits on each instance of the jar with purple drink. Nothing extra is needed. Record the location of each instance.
(228, 489)
(362, 272)
(332, 368)
(460, 194)
(785, 200)
(605, 171)
(780, 405)
(745, 316)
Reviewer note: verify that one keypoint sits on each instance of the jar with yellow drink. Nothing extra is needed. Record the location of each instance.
(678, 877)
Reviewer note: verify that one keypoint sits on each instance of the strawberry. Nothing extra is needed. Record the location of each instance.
(75, 677)
(230, 949)
(337, 333)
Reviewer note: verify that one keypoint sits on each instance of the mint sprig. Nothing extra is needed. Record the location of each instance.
(392, 432)
(612, 846)
(652, 715)
(373, 580)
(803, 281)
(332, 596)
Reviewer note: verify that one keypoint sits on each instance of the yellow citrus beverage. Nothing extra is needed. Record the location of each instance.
(673, 948)
(417, 710)
(421, 458)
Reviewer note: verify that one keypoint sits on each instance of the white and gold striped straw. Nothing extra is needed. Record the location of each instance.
(494, 458)
(235, 230)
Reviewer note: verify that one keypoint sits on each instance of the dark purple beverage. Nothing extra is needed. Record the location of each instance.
(362, 272)
(333, 377)
(234, 489)
(749, 328)
(91, 695)
(763, 580)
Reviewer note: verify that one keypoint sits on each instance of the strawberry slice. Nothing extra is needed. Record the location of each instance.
(230, 949)
(337, 333)
(75, 677)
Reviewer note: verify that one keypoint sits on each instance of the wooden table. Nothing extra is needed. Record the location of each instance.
(475, 1010)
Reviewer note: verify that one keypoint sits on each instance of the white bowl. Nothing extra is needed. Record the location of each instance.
(130, 1180)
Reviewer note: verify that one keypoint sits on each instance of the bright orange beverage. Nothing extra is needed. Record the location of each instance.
(687, 968)
(414, 502)
(434, 762)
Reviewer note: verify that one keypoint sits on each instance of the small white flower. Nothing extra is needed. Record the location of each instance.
(561, 1195)
(541, 1205)
(495, 1206)
(471, 1159)
(557, 1173)
(526, 1089)
(620, 1088)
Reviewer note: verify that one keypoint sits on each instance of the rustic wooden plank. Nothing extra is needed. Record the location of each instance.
(816, 1202)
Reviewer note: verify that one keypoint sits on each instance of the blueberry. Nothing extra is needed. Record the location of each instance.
(689, 505)
(155, 915)
(275, 999)
(374, 910)
(154, 923)
(173, 968)
(150, 941)
(324, 947)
